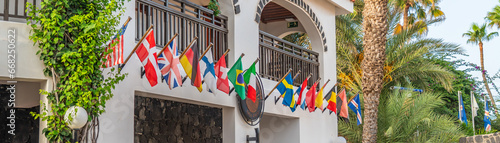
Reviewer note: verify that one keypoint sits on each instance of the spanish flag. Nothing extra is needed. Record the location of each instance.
(235, 75)
(190, 61)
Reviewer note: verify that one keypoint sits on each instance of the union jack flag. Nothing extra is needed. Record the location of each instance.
(169, 65)
(116, 56)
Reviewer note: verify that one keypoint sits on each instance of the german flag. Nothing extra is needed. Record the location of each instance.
(189, 62)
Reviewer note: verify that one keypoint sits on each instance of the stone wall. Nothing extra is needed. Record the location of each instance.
(488, 138)
(163, 121)
(26, 127)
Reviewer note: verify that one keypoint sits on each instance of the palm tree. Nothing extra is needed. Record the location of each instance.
(407, 57)
(406, 60)
(494, 17)
(301, 39)
(374, 40)
(408, 117)
(416, 11)
(476, 36)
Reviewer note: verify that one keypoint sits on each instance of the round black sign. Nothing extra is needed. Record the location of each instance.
(252, 111)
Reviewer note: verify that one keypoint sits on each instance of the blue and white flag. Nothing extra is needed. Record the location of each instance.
(355, 106)
(461, 111)
(208, 71)
(487, 123)
(304, 104)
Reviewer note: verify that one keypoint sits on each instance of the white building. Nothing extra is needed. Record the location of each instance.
(253, 27)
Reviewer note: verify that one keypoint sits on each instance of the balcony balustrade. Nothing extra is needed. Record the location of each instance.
(185, 18)
(15, 10)
(278, 55)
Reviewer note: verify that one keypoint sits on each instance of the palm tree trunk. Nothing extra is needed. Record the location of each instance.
(375, 29)
(405, 14)
(483, 72)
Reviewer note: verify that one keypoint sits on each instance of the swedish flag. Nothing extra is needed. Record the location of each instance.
(286, 90)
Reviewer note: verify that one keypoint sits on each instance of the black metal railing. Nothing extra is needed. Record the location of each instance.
(15, 9)
(185, 18)
(278, 55)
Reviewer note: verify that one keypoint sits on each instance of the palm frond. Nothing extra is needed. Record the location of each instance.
(407, 117)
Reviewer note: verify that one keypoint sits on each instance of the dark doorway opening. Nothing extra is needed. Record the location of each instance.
(25, 126)
(165, 121)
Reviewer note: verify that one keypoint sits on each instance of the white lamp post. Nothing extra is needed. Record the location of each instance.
(79, 119)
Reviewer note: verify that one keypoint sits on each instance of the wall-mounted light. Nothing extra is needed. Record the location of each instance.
(79, 116)
(79, 119)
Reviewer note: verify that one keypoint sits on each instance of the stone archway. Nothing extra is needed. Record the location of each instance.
(304, 13)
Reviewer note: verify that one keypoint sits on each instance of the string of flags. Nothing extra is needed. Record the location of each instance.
(200, 69)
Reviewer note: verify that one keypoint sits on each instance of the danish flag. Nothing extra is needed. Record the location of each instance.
(148, 57)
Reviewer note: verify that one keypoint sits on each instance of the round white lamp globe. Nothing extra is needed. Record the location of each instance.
(79, 118)
(341, 140)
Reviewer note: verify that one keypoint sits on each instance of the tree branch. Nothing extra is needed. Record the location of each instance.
(54, 84)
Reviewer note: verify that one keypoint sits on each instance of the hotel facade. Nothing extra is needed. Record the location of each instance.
(141, 113)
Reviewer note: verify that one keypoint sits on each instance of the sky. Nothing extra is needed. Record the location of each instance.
(460, 14)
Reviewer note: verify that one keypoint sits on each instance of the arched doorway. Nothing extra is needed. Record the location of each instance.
(279, 19)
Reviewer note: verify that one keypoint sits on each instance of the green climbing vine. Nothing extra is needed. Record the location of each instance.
(214, 6)
(71, 36)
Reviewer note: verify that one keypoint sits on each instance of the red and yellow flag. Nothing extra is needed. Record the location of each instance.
(332, 101)
(189, 62)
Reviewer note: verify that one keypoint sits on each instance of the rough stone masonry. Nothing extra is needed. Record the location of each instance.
(488, 138)
(163, 121)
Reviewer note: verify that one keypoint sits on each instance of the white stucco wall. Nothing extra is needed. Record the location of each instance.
(117, 123)
(28, 67)
(343, 6)
(280, 29)
(275, 129)
(28, 64)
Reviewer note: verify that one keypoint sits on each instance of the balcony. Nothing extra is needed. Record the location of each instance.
(278, 55)
(15, 10)
(185, 18)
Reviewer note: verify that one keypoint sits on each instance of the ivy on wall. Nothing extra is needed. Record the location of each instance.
(72, 36)
(214, 6)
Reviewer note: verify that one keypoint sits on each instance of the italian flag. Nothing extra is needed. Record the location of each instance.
(251, 83)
